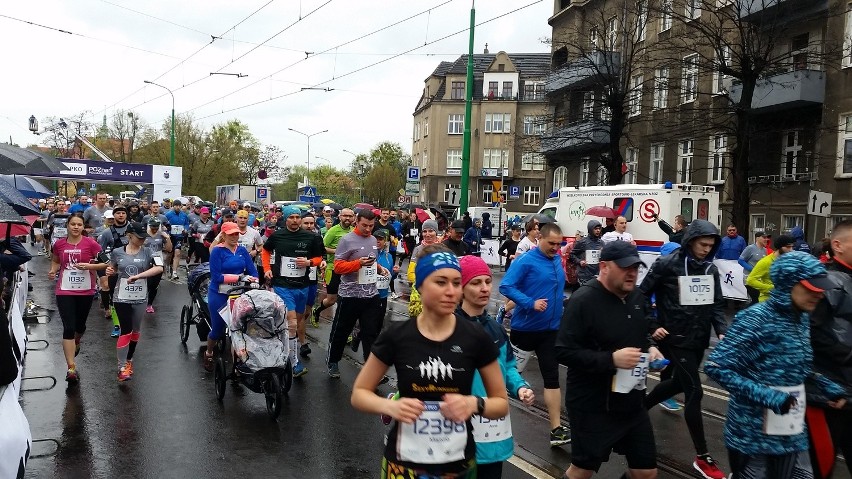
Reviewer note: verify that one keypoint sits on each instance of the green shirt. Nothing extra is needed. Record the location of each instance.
(331, 238)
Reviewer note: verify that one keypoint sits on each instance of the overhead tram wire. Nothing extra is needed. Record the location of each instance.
(327, 50)
(367, 66)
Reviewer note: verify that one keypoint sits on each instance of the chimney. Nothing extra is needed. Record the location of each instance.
(486, 49)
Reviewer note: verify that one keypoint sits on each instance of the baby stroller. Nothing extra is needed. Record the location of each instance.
(259, 347)
(196, 313)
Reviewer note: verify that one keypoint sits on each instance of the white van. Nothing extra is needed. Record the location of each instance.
(124, 195)
(637, 203)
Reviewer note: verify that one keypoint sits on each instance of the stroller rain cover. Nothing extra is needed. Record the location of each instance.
(259, 327)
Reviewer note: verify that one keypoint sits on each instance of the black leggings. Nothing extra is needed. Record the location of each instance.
(493, 470)
(685, 379)
(73, 309)
(544, 345)
(153, 285)
(201, 252)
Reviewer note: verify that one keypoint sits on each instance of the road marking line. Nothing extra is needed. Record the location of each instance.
(529, 468)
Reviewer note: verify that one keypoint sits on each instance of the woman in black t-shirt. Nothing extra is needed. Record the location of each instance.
(435, 357)
(510, 246)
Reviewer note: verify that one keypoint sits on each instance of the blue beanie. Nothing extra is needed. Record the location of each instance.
(291, 210)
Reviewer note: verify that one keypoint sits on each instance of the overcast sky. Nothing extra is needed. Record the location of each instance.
(116, 44)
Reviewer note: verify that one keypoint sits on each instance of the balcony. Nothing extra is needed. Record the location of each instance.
(783, 91)
(576, 138)
(786, 178)
(781, 12)
(598, 66)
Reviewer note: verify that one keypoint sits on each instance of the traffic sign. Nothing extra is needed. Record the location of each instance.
(455, 197)
(819, 203)
(261, 193)
(413, 174)
(412, 188)
(514, 192)
(401, 191)
(310, 191)
(403, 199)
(93, 187)
(308, 199)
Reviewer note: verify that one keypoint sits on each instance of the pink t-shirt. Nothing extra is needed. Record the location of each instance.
(70, 280)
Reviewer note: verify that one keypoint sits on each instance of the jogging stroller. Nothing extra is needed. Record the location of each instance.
(259, 343)
(196, 313)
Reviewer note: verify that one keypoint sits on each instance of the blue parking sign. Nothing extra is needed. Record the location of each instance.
(413, 173)
(261, 193)
(514, 191)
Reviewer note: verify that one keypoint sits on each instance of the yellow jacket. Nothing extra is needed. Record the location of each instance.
(759, 276)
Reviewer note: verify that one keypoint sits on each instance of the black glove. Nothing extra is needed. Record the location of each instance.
(788, 404)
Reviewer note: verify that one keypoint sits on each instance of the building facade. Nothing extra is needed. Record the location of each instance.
(679, 120)
(509, 114)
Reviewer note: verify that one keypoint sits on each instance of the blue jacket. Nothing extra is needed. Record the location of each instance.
(473, 238)
(179, 218)
(386, 260)
(487, 453)
(534, 276)
(798, 234)
(768, 345)
(731, 248)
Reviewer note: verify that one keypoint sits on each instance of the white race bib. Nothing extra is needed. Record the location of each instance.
(136, 291)
(225, 312)
(367, 274)
(791, 423)
(696, 290)
(76, 280)
(312, 273)
(413, 232)
(626, 380)
(60, 232)
(491, 430)
(289, 268)
(593, 256)
(383, 282)
(177, 229)
(432, 438)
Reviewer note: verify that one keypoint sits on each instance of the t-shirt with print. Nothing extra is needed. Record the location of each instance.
(332, 238)
(250, 240)
(69, 280)
(127, 265)
(427, 370)
(351, 247)
(284, 244)
(156, 242)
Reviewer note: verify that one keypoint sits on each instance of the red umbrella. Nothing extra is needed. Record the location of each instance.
(362, 206)
(423, 215)
(602, 211)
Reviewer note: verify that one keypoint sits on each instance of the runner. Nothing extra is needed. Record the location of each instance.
(332, 280)
(130, 264)
(421, 351)
(110, 239)
(309, 224)
(179, 223)
(199, 230)
(160, 243)
(430, 236)
(73, 260)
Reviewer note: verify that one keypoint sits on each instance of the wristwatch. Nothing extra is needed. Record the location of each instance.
(480, 405)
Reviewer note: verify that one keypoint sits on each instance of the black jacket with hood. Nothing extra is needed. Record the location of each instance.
(595, 324)
(590, 242)
(831, 332)
(688, 326)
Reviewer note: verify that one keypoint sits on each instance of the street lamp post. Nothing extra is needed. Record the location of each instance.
(309, 149)
(172, 142)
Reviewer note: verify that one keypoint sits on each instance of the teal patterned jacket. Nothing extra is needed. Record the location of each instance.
(768, 345)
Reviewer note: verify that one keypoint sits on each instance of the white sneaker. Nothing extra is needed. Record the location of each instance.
(394, 296)
(174, 276)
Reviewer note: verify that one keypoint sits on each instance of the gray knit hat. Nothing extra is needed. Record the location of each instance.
(430, 225)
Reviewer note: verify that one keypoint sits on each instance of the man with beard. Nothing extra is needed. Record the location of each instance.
(454, 238)
(93, 217)
(332, 280)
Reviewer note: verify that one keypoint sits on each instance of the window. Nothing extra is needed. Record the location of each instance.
(603, 175)
(492, 89)
(684, 164)
(634, 100)
(495, 158)
(703, 209)
(584, 173)
(532, 161)
(625, 206)
(686, 207)
(661, 87)
(657, 152)
(641, 19)
(720, 81)
(689, 80)
(425, 159)
(789, 222)
(845, 153)
(560, 178)
(534, 91)
(498, 122)
(631, 160)
(799, 51)
(593, 38)
(454, 158)
(693, 9)
(588, 105)
(605, 111)
(534, 125)
(426, 127)
(507, 89)
(666, 16)
(612, 34)
(416, 131)
(487, 193)
(847, 38)
(532, 195)
(456, 124)
(718, 158)
(447, 189)
(758, 223)
(793, 160)
(457, 91)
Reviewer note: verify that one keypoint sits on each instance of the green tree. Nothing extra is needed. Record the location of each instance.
(382, 184)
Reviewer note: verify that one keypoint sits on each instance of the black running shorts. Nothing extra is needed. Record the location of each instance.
(594, 435)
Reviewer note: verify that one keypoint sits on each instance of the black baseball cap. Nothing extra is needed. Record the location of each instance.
(137, 229)
(119, 208)
(622, 253)
(458, 225)
(782, 241)
(381, 233)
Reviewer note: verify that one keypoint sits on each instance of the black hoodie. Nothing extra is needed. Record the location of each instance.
(688, 326)
(595, 324)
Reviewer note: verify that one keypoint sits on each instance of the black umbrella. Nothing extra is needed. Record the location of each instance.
(17, 200)
(15, 160)
(542, 219)
(11, 223)
(28, 186)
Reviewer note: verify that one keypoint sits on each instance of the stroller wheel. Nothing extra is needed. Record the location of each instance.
(184, 324)
(220, 382)
(287, 379)
(274, 396)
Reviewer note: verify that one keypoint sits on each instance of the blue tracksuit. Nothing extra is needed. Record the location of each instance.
(534, 276)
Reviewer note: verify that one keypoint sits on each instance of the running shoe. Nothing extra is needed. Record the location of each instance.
(149, 309)
(40, 253)
(299, 370)
(123, 374)
(394, 296)
(333, 371)
(208, 362)
(706, 466)
(305, 350)
(71, 376)
(671, 405)
(560, 436)
(175, 276)
(128, 367)
(356, 340)
(315, 316)
(116, 332)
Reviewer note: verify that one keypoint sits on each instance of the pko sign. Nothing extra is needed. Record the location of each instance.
(107, 171)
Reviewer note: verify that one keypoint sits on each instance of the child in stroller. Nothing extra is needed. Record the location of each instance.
(260, 332)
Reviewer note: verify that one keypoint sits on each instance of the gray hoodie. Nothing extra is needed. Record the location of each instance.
(592, 242)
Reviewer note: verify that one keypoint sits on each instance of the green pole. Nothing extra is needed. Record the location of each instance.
(172, 155)
(468, 107)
